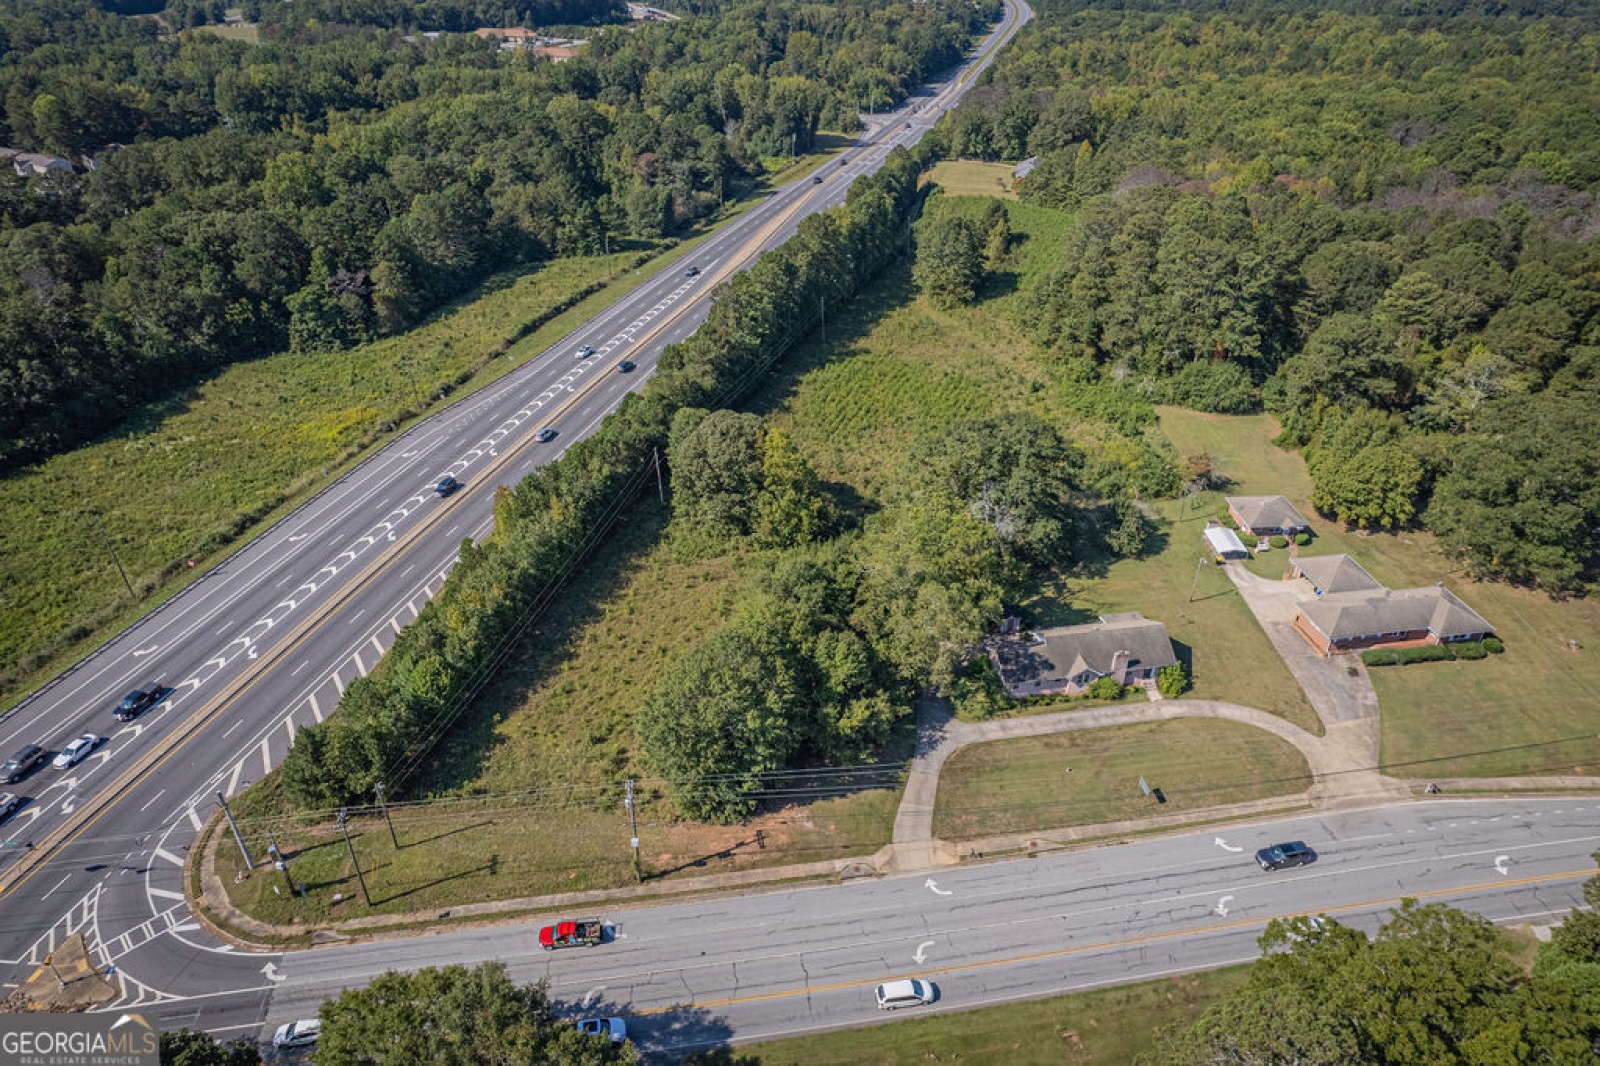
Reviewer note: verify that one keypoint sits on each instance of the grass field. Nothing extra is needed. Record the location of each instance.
(1089, 777)
(1529, 711)
(1108, 1027)
(965, 177)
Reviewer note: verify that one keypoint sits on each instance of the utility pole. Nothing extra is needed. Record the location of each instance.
(113, 550)
(344, 827)
(378, 788)
(278, 860)
(1198, 566)
(661, 486)
(249, 864)
(633, 827)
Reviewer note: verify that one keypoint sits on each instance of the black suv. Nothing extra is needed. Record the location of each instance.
(1280, 856)
(136, 702)
(27, 759)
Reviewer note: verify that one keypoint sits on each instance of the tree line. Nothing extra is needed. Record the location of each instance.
(343, 180)
(388, 721)
(1379, 227)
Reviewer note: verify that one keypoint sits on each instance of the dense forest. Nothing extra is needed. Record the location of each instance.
(343, 179)
(1380, 227)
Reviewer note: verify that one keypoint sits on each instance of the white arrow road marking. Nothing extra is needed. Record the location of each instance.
(920, 955)
(593, 994)
(1222, 906)
(937, 891)
(272, 973)
(1225, 846)
(1502, 864)
(297, 538)
(67, 806)
(141, 652)
(253, 653)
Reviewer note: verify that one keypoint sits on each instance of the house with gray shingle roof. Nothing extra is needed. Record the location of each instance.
(1334, 573)
(1267, 515)
(34, 164)
(1368, 618)
(1065, 661)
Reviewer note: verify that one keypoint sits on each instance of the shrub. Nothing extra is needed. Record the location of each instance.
(1469, 649)
(1171, 680)
(1105, 688)
(1302, 539)
(1380, 657)
(1427, 653)
(977, 691)
(1279, 541)
(1219, 387)
(1493, 645)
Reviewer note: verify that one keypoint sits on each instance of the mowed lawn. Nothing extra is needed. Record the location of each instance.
(1528, 711)
(1085, 778)
(1108, 1027)
(968, 177)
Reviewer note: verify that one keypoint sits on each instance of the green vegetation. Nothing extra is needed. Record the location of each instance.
(1092, 776)
(1363, 222)
(453, 1016)
(1107, 1027)
(965, 177)
(187, 1047)
(345, 176)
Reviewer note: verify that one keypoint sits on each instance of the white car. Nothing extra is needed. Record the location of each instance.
(303, 1033)
(585, 352)
(77, 751)
(613, 1028)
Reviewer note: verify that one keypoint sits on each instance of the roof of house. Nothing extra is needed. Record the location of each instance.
(1371, 612)
(1266, 512)
(1335, 573)
(1024, 168)
(1224, 540)
(1058, 654)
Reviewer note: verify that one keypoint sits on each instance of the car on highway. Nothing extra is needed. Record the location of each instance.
(625, 367)
(9, 804)
(614, 1029)
(303, 1033)
(28, 758)
(892, 995)
(816, 179)
(1283, 856)
(446, 485)
(77, 751)
(585, 352)
(545, 434)
(137, 702)
(691, 272)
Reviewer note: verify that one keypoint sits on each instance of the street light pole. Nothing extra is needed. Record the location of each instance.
(633, 825)
(378, 788)
(113, 550)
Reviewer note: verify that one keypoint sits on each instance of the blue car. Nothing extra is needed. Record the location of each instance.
(1282, 856)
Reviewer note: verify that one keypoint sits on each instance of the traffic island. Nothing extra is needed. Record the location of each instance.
(67, 981)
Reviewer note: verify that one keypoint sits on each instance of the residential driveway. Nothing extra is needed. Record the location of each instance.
(1338, 687)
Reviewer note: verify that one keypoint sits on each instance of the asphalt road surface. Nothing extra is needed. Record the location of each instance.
(266, 643)
(788, 962)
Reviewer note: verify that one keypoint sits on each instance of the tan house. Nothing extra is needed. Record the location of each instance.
(1266, 516)
(1066, 661)
(1380, 617)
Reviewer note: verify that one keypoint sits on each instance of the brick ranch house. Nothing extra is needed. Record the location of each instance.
(1351, 611)
(1266, 516)
(1066, 661)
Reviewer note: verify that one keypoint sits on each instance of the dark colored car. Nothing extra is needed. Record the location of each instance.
(28, 758)
(446, 485)
(625, 367)
(691, 272)
(1282, 856)
(545, 434)
(137, 702)
(9, 804)
(816, 179)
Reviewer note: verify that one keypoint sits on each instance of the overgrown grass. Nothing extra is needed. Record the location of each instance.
(1092, 776)
(1108, 1027)
(967, 177)
(1528, 711)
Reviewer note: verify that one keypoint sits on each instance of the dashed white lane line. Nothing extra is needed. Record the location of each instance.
(157, 796)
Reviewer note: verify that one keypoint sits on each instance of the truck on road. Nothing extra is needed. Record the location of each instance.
(572, 933)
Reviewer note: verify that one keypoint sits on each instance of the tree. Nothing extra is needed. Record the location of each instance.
(996, 229)
(1172, 680)
(716, 476)
(454, 1016)
(189, 1048)
(949, 261)
(790, 508)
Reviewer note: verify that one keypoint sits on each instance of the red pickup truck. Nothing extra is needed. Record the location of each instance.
(573, 933)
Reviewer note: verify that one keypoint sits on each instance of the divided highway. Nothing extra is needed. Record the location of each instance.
(265, 644)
